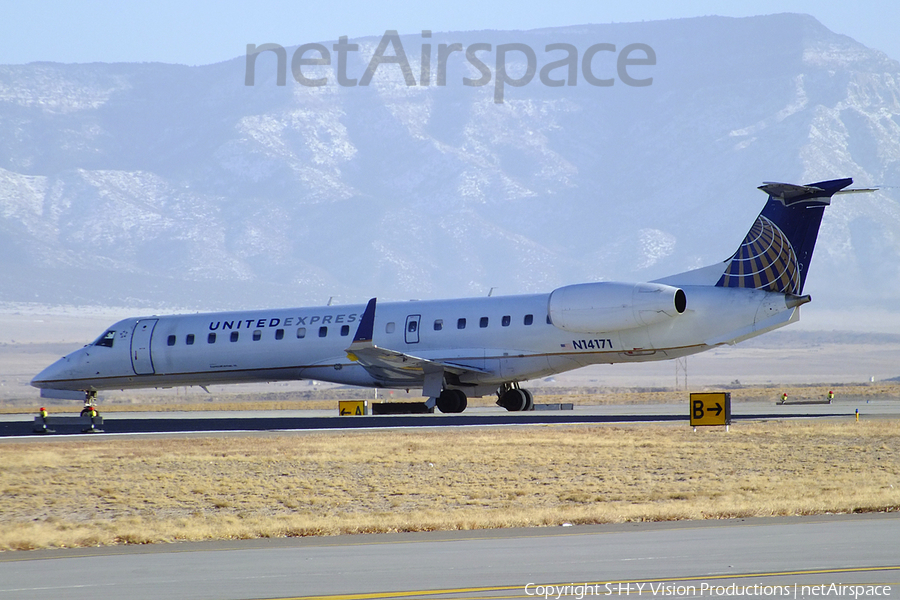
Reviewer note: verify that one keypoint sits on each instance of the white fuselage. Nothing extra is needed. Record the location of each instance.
(502, 339)
(453, 349)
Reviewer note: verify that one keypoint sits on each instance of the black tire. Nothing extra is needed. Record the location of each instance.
(452, 401)
(462, 401)
(446, 401)
(513, 400)
(529, 400)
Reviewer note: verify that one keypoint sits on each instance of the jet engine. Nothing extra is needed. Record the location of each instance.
(610, 306)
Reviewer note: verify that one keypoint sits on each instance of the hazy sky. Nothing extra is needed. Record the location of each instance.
(197, 33)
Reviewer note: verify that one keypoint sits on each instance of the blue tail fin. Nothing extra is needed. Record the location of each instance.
(776, 253)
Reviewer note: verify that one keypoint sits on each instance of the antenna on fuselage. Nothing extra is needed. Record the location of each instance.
(330, 298)
(491, 292)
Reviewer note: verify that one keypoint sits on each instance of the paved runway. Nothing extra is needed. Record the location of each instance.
(160, 422)
(765, 557)
(632, 560)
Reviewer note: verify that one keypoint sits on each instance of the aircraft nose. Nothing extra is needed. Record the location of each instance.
(53, 375)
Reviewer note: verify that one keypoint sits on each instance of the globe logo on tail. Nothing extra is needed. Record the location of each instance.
(765, 261)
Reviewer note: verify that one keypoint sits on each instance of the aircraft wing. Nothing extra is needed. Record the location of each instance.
(373, 357)
(387, 364)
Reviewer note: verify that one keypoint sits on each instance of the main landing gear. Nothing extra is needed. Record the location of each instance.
(452, 401)
(513, 398)
(510, 396)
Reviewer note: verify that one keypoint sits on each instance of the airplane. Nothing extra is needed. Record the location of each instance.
(472, 347)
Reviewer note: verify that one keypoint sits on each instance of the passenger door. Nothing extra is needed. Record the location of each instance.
(141, 361)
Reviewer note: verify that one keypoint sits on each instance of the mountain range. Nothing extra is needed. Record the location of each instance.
(175, 186)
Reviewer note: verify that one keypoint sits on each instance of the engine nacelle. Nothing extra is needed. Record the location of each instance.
(609, 306)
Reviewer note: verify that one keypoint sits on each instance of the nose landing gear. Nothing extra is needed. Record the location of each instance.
(90, 405)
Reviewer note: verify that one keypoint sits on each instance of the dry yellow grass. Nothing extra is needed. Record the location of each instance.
(105, 491)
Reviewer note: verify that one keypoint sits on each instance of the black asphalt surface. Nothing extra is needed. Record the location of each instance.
(182, 424)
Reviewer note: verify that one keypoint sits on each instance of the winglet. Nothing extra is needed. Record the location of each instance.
(366, 324)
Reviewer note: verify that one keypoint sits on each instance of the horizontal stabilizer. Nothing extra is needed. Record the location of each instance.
(791, 193)
(787, 191)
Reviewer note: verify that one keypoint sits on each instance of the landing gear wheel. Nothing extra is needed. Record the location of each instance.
(513, 400)
(463, 402)
(90, 404)
(529, 400)
(452, 401)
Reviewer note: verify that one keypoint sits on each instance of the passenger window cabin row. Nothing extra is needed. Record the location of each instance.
(257, 335)
(483, 322)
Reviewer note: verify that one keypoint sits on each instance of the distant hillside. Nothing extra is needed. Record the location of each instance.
(161, 184)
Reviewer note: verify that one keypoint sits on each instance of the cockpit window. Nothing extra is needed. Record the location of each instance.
(106, 339)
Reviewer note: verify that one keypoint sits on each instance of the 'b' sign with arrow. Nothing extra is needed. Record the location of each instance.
(711, 409)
